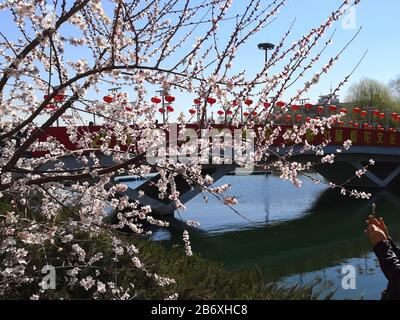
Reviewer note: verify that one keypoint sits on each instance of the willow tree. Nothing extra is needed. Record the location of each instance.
(58, 56)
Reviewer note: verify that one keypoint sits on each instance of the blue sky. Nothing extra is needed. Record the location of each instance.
(380, 35)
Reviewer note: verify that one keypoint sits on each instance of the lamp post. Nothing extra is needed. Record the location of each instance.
(266, 46)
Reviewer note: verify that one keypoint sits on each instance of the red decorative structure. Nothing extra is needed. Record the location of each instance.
(108, 99)
(197, 102)
(170, 109)
(308, 106)
(192, 111)
(211, 100)
(248, 102)
(280, 104)
(332, 108)
(156, 100)
(169, 99)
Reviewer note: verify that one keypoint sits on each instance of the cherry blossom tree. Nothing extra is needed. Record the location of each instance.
(58, 57)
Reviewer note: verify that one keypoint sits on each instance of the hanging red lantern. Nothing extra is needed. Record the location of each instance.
(170, 109)
(156, 100)
(129, 109)
(108, 99)
(341, 124)
(280, 104)
(267, 105)
(308, 106)
(364, 114)
(59, 97)
(394, 115)
(343, 110)
(254, 114)
(295, 107)
(366, 125)
(161, 110)
(192, 111)
(288, 117)
(391, 129)
(248, 102)
(246, 114)
(356, 110)
(320, 109)
(382, 116)
(169, 99)
(351, 123)
(50, 107)
(299, 118)
(356, 125)
(211, 100)
(308, 119)
(220, 112)
(197, 102)
(229, 112)
(235, 103)
(332, 108)
(375, 113)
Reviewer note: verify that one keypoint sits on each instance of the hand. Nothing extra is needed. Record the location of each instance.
(380, 223)
(375, 234)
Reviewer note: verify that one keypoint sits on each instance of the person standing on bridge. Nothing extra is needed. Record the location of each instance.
(388, 255)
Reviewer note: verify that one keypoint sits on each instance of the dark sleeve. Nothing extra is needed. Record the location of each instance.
(389, 262)
(395, 248)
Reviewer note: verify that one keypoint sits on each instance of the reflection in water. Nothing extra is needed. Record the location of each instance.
(301, 234)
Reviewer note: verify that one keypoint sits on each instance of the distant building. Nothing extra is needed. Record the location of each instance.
(329, 99)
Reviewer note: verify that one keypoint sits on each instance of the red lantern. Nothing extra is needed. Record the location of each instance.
(288, 117)
(308, 106)
(229, 112)
(356, 125)
(248, 102)
(391, 129)
(332, 108)
(351, 123)
(254, 114)
(59, 98)
(308, 119)
(366, 125)
(169, 99)
(394, 115)
(220, 112)
(398, 117)
(375, 113)
(320, 109)
(170, 109)
(197, 102)
(161, 110)
(356, 110)
(280, 104)
(295, 107)
(341, 124)
(192, 111)
(108, 99)
(211, 100)
(299, 118)
(156, 100)
(246, 114)
(364, 114)
(267, 105)
(50, 107)
(343, 110)
(382, 116)
(129, 109)
(235, 103)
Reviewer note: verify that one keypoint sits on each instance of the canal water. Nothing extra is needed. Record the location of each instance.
(296, 235)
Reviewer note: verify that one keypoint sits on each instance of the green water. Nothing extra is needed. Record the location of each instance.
(297, 236)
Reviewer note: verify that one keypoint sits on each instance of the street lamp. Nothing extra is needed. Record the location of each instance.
(266, 46)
